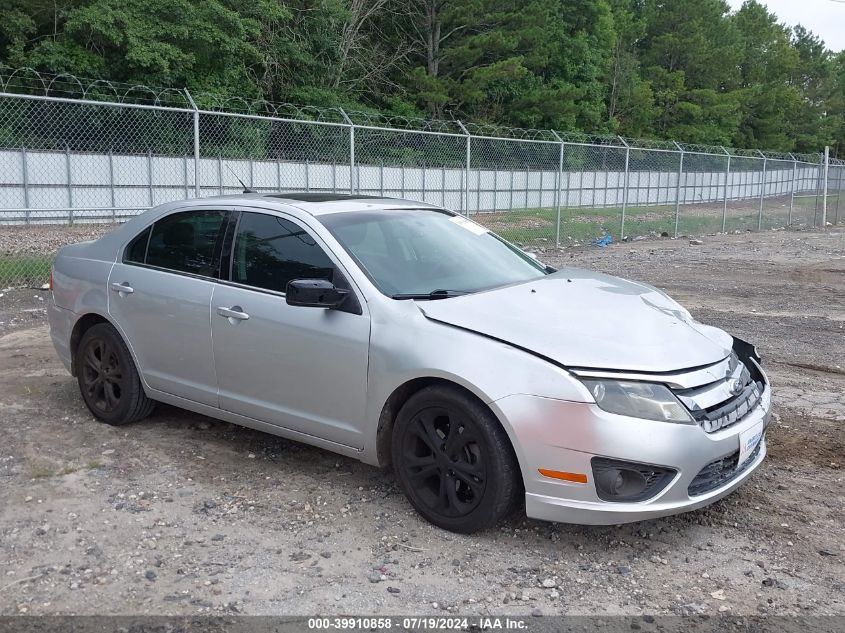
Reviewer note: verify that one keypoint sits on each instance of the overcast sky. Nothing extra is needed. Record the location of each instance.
(825, 18)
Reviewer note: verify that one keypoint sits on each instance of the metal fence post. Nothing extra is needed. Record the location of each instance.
(625, 188)
(466, 167)
(510, 196)
(678, 188)
(185, 174)
(25, 175)
(196, 144)
(762, 193)
(278, 174)
(818, 188)
(526, 186)
(69, 186)
(111, 188)
(559, 188)
(422, 184)
(794, 185)
(727, 184)
(219, 174)
(150, 175)
(542, 188)
(352, 183)
(826, 172)
(839, 170)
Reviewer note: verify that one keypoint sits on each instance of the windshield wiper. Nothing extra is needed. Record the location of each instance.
(434, 294)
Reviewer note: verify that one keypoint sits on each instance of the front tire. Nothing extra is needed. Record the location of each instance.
(454, 460)
(107, 377)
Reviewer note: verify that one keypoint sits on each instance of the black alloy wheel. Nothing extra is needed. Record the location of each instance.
(102, 377)
(107, 377)
(442, 457)
(454, 460)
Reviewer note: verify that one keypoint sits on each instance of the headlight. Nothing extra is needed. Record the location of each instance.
(638, 399)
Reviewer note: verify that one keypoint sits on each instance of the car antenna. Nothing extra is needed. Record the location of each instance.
(243, 184)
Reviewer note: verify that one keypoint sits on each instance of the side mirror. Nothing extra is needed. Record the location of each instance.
(314, 293)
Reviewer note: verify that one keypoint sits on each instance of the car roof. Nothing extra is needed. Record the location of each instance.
(320, 203)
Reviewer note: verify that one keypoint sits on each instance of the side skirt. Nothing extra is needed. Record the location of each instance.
(252, 423)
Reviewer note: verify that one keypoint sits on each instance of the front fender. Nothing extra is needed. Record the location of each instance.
(489, 369)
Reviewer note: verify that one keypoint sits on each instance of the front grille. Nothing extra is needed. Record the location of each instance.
(731, 411)
(715, 405)
(721, 471)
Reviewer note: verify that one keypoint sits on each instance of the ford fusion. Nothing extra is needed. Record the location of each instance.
(403, 334)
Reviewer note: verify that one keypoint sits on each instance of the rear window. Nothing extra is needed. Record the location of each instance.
(187, 242)
(136, 252)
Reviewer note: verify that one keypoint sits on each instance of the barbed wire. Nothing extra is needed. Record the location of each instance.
(29, 81)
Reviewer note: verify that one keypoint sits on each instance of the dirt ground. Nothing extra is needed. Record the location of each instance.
(181, 514)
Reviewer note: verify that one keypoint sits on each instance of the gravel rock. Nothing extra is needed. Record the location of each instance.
(295, 498)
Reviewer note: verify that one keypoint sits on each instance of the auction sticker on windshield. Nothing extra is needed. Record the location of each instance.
(748, 441)
(470, 226)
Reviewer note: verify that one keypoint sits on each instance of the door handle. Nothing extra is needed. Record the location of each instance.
(123, 288)
(235, 313)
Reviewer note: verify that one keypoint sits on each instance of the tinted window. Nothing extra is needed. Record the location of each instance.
(186, 242)
(137, 249)
(271, 251)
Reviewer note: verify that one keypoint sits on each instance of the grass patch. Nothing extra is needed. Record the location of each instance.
(40, 470)
(537, 226)
(18, 270)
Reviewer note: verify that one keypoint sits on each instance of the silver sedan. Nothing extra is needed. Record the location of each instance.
(396, 332)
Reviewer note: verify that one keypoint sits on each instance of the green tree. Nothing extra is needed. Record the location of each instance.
(812, 127)
(691, 53)
(680, 69)
(539, 63)
(630, 100)
(836, 106)
(203, 44)
(768, 100)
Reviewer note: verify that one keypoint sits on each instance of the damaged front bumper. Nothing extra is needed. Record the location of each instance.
(686, 466)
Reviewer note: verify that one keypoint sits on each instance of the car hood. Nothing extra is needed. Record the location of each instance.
(579, 318)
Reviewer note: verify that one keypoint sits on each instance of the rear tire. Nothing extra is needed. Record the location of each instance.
(454, 460)
(108, 379)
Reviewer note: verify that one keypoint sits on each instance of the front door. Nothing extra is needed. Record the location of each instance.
(300, 368)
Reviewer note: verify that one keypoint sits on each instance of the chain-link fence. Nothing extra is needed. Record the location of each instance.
(77, 156)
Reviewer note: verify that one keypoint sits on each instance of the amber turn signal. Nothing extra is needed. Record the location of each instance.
(577, 478)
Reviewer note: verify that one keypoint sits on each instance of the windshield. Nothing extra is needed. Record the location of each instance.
(412, 253)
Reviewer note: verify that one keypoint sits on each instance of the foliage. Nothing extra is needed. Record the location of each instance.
(683, 69)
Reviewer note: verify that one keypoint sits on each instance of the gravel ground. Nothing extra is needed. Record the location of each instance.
(181, 514)
(47, 239)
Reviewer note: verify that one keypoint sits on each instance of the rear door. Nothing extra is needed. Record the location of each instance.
(160, 295)
(300, 368)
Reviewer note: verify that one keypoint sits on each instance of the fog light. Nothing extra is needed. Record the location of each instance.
(628, 481)
(622, 482)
